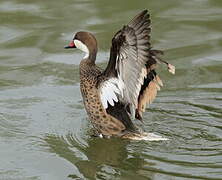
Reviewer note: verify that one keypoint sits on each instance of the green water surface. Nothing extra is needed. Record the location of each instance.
(44, 129)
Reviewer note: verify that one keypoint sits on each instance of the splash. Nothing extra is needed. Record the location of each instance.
(148, 137)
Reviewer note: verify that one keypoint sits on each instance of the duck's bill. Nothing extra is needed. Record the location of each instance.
(71, 45)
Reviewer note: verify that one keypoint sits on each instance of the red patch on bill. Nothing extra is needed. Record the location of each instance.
(71, 44)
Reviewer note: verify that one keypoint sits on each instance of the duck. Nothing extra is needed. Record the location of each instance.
(116, 97)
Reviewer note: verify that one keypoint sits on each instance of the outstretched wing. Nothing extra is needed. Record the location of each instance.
(131, 61)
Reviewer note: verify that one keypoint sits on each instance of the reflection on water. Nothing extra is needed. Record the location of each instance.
(100, 158)
(44, 131)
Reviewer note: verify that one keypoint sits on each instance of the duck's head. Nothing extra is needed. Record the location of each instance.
(86, 42)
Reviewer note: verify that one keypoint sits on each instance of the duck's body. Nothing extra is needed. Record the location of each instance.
(103, 122)
(119, 93)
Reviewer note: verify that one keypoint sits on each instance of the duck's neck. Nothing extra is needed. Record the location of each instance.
(92, 55)
(87, 65)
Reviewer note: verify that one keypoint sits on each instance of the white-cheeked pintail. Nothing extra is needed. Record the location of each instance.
(114, 97)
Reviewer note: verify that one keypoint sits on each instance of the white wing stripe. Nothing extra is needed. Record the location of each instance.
(103, 100)
(110, 90)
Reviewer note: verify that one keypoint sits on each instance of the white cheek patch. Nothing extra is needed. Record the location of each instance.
(82, 47)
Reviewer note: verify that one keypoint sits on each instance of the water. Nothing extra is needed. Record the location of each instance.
(44, 131)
